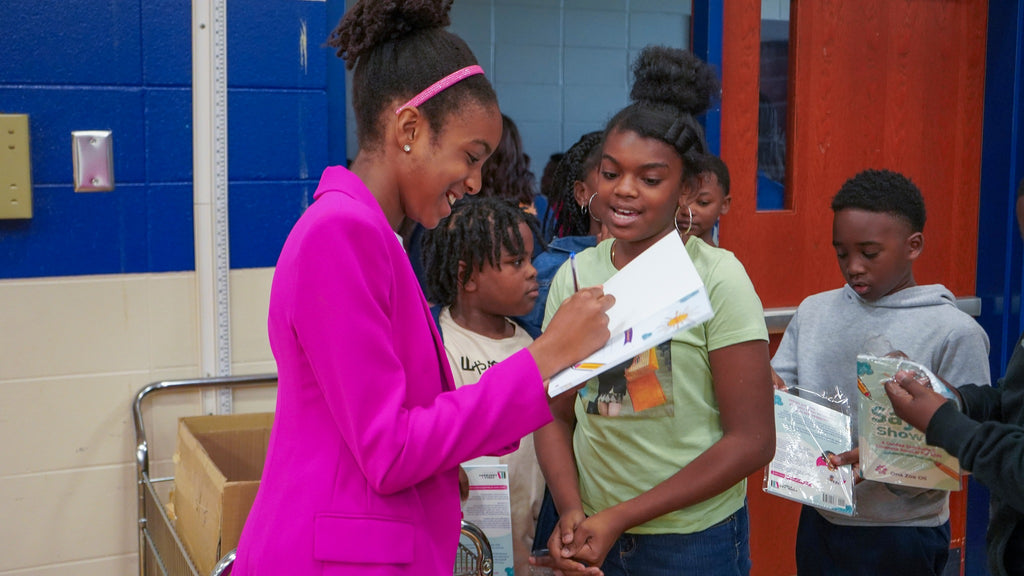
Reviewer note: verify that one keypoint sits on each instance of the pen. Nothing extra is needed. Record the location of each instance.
(575, 276)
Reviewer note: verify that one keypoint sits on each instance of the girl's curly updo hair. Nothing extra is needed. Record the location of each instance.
(671, 87)
(398, 48)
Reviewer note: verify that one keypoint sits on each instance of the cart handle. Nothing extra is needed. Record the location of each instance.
(141, 445)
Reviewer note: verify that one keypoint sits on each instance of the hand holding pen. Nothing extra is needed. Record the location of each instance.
(578, 328)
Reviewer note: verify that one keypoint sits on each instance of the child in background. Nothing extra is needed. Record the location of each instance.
(547, 216)
(478, 267)
(661, 491)
(700, 217)
(877, 232)
(573, 200)
(506, 174)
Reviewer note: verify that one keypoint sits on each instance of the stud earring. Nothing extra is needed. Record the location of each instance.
(407, 148)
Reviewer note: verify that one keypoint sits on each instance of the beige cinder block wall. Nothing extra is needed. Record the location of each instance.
(73, 353)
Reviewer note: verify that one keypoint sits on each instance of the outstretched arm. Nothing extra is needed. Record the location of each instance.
(993, 451)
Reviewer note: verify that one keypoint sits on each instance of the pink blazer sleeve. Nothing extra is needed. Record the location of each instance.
(401, 429)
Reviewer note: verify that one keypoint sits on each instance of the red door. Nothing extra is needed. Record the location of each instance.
(895, 84)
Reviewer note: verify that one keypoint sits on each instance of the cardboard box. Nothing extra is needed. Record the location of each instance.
(217, 469)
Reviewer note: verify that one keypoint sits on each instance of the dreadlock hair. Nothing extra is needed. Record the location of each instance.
(475, 233)
(883, 191)
(506, 173)
(711, 164)
(671, 86)
(398, 48)
(578, 161)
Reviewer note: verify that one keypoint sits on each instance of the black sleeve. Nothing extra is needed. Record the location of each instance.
(992, 451)
(982, 403)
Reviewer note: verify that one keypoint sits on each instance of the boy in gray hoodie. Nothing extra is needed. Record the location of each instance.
(877, 232)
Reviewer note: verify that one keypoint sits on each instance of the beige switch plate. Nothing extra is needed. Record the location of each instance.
(15, 168)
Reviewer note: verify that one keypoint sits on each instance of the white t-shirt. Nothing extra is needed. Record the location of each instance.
(469, 354)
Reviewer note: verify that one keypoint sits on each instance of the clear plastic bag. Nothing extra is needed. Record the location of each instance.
(891, 450)
(809, 428)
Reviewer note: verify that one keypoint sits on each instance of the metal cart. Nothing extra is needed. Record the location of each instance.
(161, 551)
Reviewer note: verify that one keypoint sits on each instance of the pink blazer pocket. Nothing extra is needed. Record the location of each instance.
(362, 539)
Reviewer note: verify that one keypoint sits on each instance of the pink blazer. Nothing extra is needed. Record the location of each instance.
(361, 472)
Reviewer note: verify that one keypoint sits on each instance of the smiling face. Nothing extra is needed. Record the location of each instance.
(446, 166)
(509, 289)
(707, 204)
(641, 180)
(875, 251)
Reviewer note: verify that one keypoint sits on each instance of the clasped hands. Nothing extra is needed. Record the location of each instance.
(579, 544)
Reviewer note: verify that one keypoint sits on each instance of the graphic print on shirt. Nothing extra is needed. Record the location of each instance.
(474, 366)
(639, 387)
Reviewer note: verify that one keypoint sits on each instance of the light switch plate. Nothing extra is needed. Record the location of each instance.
(15, 168)
(92, 153)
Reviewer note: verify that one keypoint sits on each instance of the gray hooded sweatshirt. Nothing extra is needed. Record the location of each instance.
(818, 353)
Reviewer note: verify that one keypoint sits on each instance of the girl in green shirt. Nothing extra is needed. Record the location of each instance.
(659, 488)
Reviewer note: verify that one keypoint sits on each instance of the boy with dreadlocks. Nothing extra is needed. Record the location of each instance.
(478, 268)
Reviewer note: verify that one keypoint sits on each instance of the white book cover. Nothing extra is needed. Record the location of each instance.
(806, 435)
(657, 295)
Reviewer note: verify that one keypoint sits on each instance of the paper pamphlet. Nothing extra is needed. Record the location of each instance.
(657, 295)
(890, 449)
(488, 506)
(806, 435)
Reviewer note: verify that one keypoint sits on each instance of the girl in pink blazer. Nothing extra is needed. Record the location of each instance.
(361, 475)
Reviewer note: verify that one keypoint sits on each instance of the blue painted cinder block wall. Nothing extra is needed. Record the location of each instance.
(126, 66)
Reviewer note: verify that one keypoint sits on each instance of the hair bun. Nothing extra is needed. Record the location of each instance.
(372, 22)
(675, 77)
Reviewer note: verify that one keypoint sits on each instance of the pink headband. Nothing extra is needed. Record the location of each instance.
(442, 84)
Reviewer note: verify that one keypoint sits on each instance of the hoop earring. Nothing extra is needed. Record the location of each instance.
(689, 223)
(588, 210)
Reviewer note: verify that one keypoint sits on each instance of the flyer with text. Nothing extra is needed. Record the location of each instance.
(488, 506)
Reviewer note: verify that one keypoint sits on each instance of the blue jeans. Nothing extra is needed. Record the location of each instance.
(721, 550)
(824, 548)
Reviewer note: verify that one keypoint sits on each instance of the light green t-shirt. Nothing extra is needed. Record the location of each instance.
(624, 447)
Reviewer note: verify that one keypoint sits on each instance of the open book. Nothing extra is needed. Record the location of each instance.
(657, 295)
